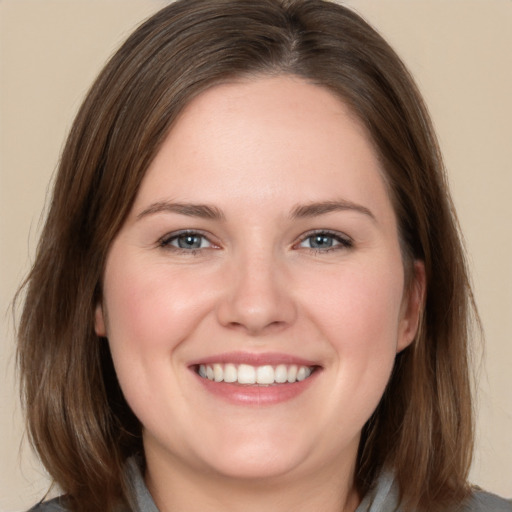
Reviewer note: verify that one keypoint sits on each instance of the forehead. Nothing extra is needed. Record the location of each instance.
(287, 105)
(262, 136)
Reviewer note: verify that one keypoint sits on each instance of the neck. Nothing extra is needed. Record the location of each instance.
(176, 487)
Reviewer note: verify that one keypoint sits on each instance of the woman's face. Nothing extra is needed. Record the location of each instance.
(254, 298)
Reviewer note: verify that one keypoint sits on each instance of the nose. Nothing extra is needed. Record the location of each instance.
(257, 297)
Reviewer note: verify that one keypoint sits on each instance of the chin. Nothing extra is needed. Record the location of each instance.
(248, 456)
(264, 466)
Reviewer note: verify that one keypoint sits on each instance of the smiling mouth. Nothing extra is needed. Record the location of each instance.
(265, 375)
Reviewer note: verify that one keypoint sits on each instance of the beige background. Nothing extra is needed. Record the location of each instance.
(459, 50)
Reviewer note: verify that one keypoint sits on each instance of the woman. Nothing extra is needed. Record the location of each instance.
(250, 289)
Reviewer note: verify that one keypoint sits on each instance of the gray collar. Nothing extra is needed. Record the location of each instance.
(145, 502)
(382, 498)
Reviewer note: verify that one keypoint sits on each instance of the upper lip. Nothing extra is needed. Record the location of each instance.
(254, 359)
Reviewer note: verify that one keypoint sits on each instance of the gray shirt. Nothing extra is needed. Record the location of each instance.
(382, 498)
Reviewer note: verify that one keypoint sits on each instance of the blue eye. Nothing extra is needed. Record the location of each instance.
(186, 241)
(324, 241)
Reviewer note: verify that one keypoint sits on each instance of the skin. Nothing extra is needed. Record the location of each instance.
(255, 151)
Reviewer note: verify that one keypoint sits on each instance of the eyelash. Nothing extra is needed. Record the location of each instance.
(166, 241)
(342, 241)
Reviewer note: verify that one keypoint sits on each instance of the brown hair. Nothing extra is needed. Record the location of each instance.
(78, 419)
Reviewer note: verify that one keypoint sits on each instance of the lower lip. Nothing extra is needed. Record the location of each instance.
(246, 394)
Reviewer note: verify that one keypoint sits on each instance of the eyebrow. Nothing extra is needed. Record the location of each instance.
(203, 211)
(324, 207)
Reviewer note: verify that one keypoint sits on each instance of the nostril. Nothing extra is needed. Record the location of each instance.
(256, 313)
(254, 328)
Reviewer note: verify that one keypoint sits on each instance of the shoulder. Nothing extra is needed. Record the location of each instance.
(385, 497)
(143, 500)
(55, 505)
(481, 501)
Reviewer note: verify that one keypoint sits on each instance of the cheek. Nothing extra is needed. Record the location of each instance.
(151, 307)
(359, 306)
(360, 318)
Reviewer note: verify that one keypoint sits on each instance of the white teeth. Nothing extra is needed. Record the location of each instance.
(230, 373)
(302, 373)
(246, 374)
(265, 375)
(281, 373)
(218, 373)
(292, 373)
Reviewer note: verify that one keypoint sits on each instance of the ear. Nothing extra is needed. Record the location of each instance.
(412, 307)
(99, 321)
